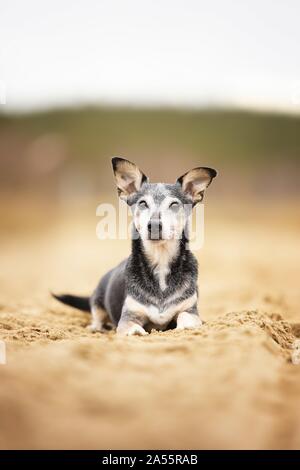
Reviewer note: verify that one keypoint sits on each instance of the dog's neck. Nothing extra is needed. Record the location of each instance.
(161, 256)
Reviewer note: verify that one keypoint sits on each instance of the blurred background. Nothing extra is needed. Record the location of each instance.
(169, 85)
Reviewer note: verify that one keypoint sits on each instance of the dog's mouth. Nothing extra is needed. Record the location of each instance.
(156, 238)
(161, 241)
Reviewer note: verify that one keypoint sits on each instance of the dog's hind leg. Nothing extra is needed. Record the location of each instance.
(99, 319)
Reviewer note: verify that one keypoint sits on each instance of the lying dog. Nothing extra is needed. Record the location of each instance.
(156, 287)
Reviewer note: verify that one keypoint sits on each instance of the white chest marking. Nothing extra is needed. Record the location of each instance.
(154, 314)
(161, 271)
(160, 255)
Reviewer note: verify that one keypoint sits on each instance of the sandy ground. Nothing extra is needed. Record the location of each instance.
(231, 384)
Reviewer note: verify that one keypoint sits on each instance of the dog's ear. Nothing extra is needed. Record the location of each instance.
(194, 182)
(129, 178)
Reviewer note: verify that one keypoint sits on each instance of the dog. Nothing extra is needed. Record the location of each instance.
(156, 286)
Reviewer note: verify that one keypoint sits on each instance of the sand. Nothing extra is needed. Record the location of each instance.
(232, 384)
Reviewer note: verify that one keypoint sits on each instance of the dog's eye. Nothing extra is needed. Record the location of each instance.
(174, 205)
(143, 205)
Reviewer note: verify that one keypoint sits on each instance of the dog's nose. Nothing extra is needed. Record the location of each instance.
(155, 229)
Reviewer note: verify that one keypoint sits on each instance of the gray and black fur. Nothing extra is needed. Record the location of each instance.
(156, 286)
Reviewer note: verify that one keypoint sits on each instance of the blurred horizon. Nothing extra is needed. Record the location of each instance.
(64, 154)
(168, 85)
(249, 108)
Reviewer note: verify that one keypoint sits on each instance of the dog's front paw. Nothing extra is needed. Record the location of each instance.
(131, 330)
(187, 321)
(95, 327)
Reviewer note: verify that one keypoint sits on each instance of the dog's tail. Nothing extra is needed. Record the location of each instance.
(82, 303)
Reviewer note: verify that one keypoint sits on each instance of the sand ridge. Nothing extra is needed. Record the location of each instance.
(232, 384)
(76, 389)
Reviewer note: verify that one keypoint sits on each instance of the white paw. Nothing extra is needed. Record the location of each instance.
(132, 330)
(187, 321)
(94, 327)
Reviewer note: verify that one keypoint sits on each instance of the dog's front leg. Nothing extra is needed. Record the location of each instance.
(188, 321)
(131, 323)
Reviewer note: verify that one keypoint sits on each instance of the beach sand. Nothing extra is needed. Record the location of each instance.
(235, 383)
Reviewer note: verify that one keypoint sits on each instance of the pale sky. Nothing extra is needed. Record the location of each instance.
(154, 52)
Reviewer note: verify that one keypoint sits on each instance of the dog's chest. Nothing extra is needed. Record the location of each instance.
(161, 272)
(160, 315)
(160, 258)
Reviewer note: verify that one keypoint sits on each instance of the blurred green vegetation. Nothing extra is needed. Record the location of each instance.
(165, 141)
(224, 134)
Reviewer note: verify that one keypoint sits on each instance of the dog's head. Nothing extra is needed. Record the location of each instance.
(160, 211)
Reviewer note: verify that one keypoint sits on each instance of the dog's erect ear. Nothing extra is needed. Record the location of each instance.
(194, 182)
(129, 178)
